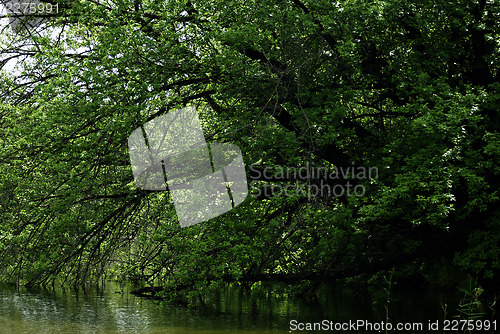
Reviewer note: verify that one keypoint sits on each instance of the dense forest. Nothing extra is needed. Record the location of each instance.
(394, 103)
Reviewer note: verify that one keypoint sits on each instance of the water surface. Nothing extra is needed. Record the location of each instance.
(114, 310)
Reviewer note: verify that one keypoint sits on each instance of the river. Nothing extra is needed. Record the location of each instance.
(113, 309)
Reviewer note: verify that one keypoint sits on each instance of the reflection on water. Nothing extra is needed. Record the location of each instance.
(228, 311)
(69, 311)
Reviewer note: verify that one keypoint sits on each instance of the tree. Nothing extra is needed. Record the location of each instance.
(403, 86)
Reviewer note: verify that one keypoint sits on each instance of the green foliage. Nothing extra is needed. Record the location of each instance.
(408, 87)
